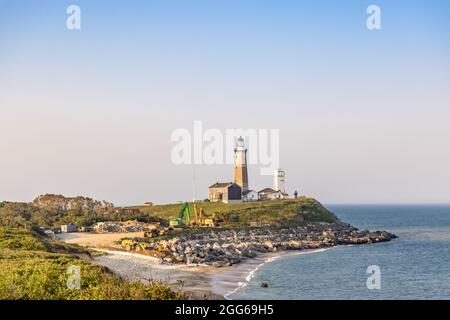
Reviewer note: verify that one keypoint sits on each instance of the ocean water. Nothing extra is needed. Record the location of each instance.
(415, 266)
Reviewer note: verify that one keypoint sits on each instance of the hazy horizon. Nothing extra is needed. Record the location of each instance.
(363, 115)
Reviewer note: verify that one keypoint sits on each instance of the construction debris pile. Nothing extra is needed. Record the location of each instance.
(220, 248)
(128, 226)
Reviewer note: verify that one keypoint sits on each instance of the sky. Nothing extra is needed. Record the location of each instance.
(363, 115)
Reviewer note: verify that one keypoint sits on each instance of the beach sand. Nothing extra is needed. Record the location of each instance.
(196, 281)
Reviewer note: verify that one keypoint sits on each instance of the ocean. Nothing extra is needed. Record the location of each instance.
(415, 266)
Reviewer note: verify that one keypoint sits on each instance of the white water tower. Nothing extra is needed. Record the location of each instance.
(279, 180)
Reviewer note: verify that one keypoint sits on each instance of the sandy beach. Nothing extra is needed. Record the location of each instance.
(218, 263)
(197, 281)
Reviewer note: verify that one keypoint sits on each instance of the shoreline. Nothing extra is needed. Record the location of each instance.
(235, 278)
(197, 281)
(217, 264)
(193, 280)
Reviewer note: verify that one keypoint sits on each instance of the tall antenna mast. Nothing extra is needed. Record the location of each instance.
(193, 182)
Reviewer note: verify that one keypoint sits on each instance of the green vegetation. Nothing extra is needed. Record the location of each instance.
(279, 213)
(47, 213)
(32, 216)
(16, 239)
(34, 267)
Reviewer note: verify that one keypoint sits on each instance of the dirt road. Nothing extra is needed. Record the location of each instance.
(97, 240)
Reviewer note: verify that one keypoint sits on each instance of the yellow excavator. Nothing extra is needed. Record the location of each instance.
(199, 220)
(132, 245)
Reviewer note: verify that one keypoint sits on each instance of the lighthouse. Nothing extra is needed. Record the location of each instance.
(279, 180)
(240, 165)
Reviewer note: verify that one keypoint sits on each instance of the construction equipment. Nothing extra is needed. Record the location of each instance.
(153, 230)
(199, 218)
(132, 245)
(179, 221)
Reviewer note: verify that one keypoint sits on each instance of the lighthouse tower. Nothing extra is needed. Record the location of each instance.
(240, 165)
(279, 180)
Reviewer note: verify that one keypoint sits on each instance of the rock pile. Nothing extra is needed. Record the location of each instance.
(128, 226)
(220, 248)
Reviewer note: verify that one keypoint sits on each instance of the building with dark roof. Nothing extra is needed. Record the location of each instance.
(228, 192)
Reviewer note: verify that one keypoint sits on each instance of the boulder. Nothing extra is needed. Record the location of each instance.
(268, 244)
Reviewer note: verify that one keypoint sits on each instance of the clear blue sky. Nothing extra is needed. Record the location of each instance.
(363, 115)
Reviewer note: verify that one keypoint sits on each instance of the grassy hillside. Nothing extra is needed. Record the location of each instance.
(33, 267)
(277, 213)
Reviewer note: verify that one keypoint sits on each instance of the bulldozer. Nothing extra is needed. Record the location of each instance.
(181, 213)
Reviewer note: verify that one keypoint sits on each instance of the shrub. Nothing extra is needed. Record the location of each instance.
(35, 268)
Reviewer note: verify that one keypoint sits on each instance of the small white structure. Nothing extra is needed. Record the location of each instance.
(279, 180)
(269, 194)
(250, 195)
(66, 228)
